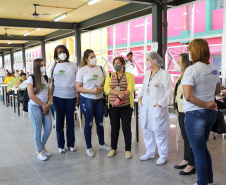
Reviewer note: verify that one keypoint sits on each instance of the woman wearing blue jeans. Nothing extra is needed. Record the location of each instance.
(200, 84)
(64, 97)
(89, 83)
(38, 107)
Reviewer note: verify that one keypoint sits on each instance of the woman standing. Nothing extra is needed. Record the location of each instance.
(156, 95)
(89, 83)
(120, 87)
(64, 97)
(188, 164)
(38, 107)
(200, 84)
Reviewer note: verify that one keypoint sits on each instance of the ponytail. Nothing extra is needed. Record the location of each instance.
(85, 56)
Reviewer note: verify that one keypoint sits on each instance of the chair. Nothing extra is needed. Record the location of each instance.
(77, 111)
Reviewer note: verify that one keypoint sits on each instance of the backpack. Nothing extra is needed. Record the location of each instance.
(26, 96)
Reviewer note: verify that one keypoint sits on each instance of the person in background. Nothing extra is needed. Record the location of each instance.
(38, 107)
(130, 66)
(188, 164)
(200, 83)
(120, 87)
(156, 95)
(64, 97)
(23, 78)
(8, 78)
(89, 83)
(14, 81)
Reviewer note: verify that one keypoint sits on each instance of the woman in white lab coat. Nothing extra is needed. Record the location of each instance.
(156, 95)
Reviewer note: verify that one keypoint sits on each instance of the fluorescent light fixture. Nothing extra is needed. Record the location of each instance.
(10, 42)
(26, 33)
(91, 2)
(60, 17)
(38, 28)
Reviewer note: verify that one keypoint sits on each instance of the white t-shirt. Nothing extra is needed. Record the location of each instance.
(91, 78)
(131, 68)
(204, 79)
(43, 93)
(64, 80)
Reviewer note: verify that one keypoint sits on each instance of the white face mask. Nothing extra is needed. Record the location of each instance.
(177, 67)
(62, 56)
(43, 69)
(190, 57)
(93, 61)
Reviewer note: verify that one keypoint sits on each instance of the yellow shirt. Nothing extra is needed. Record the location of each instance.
(130, 86)
(179, 96)
(8, 79)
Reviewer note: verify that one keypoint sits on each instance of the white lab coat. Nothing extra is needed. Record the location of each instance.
(161, 91)
(130, 69)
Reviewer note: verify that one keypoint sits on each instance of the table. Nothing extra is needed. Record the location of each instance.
(4, 90)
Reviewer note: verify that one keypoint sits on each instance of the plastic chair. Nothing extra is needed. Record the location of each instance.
(77, 111)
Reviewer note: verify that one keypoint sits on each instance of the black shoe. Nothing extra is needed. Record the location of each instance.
(180, 166)
(193, 171)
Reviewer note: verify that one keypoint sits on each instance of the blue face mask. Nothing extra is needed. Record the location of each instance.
(117, 67)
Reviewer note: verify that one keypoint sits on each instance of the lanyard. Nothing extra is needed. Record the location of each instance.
(120, 78)
(150, 78)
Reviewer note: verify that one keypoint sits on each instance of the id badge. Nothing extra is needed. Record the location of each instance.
(148, 90)
(117, 88)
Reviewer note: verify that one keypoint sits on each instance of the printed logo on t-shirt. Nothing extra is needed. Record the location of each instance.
(62, 73)
(214, 72)
(95, 77)
(44, 86)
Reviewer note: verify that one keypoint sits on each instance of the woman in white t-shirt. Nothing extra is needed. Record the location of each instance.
(89, 83)
(38, 107)
(200, 85)
(64, 97)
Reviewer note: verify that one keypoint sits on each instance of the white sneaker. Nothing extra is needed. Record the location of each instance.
(104, 147)
(90, 152)
(46, 152)
(161, 161)
(42, 156)
(147, 156)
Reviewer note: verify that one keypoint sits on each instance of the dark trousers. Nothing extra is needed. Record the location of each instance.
(92, 108)
(188, 153)
(65, 107)
(124, 114)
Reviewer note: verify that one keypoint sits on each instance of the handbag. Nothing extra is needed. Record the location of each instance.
(219, 126)
(52, 80)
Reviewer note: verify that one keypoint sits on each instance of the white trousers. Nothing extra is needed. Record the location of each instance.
(153, 138)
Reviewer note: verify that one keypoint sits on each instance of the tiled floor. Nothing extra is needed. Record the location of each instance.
(19, 164)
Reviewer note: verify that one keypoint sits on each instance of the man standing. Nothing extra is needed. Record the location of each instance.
(130, 66)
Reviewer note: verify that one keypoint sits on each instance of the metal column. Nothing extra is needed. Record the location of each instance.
(165, 29)
(78, 50)
(3, 61)
(11, 60)
(43, 49)
(223, 63)
(24, 59)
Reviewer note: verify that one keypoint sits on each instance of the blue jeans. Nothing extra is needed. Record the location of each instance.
(92, 108)
(38, 119)
(65, 107)
(198, 125)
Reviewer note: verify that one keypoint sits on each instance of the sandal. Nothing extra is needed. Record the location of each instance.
(72, 149)
(62, 150)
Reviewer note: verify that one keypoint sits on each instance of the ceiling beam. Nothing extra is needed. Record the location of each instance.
(11, 45)
(3, 50)
(17, 37)
(147, 2)
(36, 24)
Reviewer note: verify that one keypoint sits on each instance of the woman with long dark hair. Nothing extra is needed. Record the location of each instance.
(89, 83)
(188, 164)
(64, 97)
(120, 87)
(38, 107)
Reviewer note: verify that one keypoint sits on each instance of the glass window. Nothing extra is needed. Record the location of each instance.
(219, 4)
(136, 30)
(7, 64)
(85, 41)
(121, 34)
(199, 17)
(108, 60)
(149, 27)
(96, 40)
(182, 15)
(217, 15)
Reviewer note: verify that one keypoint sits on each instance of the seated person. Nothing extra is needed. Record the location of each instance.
(8, 78)
(15, 80)
(23, 78)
